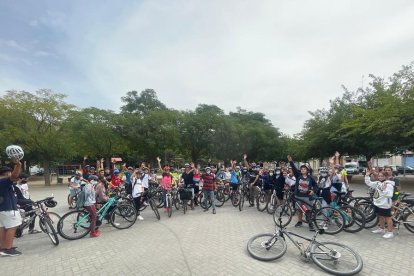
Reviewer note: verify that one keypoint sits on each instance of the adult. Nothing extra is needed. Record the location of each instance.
(253, 177)
(74, 186)
(209, 185)
(187, 178)
(9, 215)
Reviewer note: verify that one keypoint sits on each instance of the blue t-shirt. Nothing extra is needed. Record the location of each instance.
(128, 177)
(234, 179)
(8, 201)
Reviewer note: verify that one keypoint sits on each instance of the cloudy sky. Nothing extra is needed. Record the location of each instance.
(281, 58)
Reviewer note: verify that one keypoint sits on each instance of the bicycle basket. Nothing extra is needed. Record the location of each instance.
(185, 194)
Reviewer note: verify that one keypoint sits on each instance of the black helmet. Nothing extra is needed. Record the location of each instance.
(50, 203)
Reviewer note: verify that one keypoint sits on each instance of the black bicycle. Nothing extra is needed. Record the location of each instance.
(333, 257)
(47, 220)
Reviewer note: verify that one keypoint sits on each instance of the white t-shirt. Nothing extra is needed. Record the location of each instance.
(227, 175)
(136, 187)
(74, 183)
(145, 181)
(25, 190)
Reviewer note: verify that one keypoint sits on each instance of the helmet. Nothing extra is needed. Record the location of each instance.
(166, 168)
(116, 171)
(92, 177)
(14, 151)
(4, 169)
(51, 203)
(237, 167)
(186, 165)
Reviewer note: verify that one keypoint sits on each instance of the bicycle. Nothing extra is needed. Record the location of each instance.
(76, 224)
(183, 199)
(47, 220)
(168, 203)
(333, 257)
(403, 212)
(330, 219)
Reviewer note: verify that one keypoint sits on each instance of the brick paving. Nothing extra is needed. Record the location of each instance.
(196, 243)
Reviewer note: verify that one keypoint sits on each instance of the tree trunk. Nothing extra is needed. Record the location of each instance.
(108, 162)
(46, 172)
(27, 168)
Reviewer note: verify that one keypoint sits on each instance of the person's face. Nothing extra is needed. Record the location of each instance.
(388, 171)
(381, 177)
(102, 173)
(107, 171)
(285, 173)
(303, 170)
(77, 176)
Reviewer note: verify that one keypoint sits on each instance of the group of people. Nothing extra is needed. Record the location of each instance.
(272, 177)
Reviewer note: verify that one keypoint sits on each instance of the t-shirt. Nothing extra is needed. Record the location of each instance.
(24, 188)
(8, 201)
(74, 183)
(188, 178)
(252, 175)
(145, 181)
(136, 187)
(234, 178)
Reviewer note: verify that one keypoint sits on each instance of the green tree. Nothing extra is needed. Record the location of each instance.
(141, 104)
(34, 121)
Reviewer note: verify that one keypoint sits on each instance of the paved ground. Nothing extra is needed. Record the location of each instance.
(193, 244)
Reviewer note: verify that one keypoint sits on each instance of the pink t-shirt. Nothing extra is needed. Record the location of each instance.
(166, 182)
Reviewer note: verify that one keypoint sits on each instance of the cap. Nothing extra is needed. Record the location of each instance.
(186, 165)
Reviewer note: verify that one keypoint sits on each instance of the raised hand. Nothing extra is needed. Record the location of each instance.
(337, 154)
(158, 159)
(289, 158)
(244, 156)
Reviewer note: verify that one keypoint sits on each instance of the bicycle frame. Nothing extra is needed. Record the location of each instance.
(101, 212)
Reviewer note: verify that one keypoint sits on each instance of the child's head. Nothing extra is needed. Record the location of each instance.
(382, 175)
(5, 171)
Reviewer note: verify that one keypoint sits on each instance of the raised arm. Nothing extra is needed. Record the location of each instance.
(159, 163)
(246, 164)
(295, 170)
(368, 181)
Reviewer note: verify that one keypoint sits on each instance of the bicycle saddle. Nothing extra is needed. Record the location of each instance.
(409, 201)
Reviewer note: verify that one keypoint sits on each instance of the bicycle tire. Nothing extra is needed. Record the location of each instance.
(372, 223)
(49, 230)
(235, 199)
(323, 260)
(123, 213)
(408, 221)
(67, 225)
(169, 204)
(258, 247)
(271, 206)
(220, 198)
(155, 209)
(355, 219)
(241, 203)
(327, 218)
(177, 203)
(201, 201)
(54, 219)
(261, 202)
(286, 212)
(184, 206)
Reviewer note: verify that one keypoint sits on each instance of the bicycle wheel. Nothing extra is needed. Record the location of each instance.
(408, 220)
(372, 223)
(169, 203)
(271, 206)
(336, 258)
(177, 203)
(261, 202)
(123, 216)
(220, 199)
(331, 220)
(241, 203)
(54, 219)
(235, 199)
(202, 204)
(155, 209)
(49, 229)
(355, 219)
(285, 213)
(185, 206)
(74, 225)
(266, 247)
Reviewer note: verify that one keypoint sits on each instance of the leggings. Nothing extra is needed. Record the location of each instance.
(92, 213)
(137, 202)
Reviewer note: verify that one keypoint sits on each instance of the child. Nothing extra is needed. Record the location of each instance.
(383, 201)
(90, 200)
(137, 190)
(166, 184)
(24, 188)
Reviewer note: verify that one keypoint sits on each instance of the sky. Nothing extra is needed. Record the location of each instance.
(281, 58)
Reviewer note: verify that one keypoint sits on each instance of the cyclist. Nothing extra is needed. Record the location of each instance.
(27, 205)
(305, 188)
(166, 182)
(137, 190)
(187, 176)
(253, 177)
(74, 188)
(116, 180)
(209, 185)
(391, 177)
(268, 182)
(382, 201)
(9, 216)
(90, 201)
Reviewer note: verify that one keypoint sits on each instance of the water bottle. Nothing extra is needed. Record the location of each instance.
(304, 208)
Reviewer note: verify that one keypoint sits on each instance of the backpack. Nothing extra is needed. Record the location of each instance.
(80, 198)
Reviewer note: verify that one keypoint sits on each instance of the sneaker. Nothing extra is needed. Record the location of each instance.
(388, 235)
(95, 234)
(205, 210)
(378, 231)
(145, 203)
(251, 205)
(34, 231)
(116, 224)
(140, 217)
(11, 252)
(298, 224)
(214, 211)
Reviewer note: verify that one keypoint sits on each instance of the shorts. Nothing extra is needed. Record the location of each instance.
(10, 219)
(382, 212)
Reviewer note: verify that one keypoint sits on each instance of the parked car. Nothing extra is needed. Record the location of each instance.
(352, 168)
(408, 169)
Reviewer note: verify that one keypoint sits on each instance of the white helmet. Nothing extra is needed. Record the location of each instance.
(14, 151)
